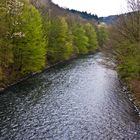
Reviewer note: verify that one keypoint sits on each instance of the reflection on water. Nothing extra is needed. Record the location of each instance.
(81, 100)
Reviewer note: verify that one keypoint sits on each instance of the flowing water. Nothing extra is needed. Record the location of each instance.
(80, 100)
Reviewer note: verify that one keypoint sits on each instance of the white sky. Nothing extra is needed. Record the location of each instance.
(99, 7)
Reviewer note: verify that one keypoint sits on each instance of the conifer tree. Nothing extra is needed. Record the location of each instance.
(60, 44)
(92, 38)
(102, 35)
(80, 40)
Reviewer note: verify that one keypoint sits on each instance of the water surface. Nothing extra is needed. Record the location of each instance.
(80, 100)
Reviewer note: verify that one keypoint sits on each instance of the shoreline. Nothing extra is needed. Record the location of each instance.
(131, 95)
(2, 89)
(125, 85)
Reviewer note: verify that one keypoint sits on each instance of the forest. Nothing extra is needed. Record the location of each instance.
(35, 35)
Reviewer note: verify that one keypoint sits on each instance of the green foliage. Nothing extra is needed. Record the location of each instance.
(92, 38)
(102, 35)
(6, 27)
(129, 65)
(30, 46)
(29, 40)
(59, 43)
(130, 68)
(80, 40)
(46, 28)
(22, 47)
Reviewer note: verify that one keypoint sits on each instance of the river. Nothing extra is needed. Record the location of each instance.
(80, 100)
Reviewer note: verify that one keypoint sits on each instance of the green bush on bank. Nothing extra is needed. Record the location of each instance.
(129, 61)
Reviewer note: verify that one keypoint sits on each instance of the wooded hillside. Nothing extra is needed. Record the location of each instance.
(38, 33)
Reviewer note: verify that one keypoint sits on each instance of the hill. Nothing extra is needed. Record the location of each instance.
(109, 19)
(84, 15)
(47, 6)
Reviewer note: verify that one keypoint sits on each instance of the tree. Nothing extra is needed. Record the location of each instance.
(125, 41)
(92, 38)
(10, 12)
(80, 40)
(29, 50)
(102, 35)
(60, 44)
(22, 46)
(32, 37)
(128, 25)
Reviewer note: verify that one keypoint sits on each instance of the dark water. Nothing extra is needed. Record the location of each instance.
(80, 100)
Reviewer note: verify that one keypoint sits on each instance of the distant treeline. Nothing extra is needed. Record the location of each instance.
(85, 15)
(33, 38)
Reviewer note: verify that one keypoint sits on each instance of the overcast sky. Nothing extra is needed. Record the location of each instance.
(99, 7)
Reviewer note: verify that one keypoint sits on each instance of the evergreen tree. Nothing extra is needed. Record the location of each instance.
(102, 35)
(92, 37)
(80, 40)
(60, 44)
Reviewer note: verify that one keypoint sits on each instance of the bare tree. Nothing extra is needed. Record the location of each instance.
(128, 25)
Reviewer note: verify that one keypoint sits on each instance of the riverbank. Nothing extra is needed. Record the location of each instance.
(134, 86)
(5, 87)
(132, 89)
